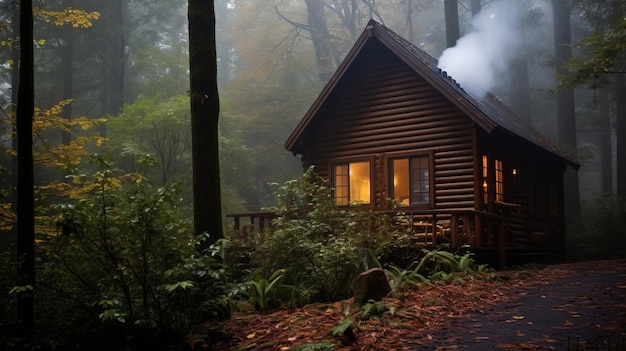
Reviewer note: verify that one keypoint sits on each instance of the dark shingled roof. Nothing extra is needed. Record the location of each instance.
(488, 112)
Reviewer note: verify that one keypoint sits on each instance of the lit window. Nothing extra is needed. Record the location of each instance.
(352, 183)
(410, 180)
(499, 181)
(498, 176)
(485, 174)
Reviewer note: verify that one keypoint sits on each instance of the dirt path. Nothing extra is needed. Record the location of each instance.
(578, 306)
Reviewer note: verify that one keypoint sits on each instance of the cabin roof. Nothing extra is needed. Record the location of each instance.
(488, 112)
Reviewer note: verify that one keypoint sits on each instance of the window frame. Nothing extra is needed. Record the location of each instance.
(414, 154)
(347, 161)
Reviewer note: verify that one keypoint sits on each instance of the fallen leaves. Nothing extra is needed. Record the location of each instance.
(420, 316)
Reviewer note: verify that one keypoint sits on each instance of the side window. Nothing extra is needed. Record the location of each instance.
(498, 178)
(499, 181)
(352, 183)
(410, 180)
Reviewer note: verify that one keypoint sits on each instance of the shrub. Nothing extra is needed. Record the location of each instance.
(124, 271)
(601, 231)
(313, 241)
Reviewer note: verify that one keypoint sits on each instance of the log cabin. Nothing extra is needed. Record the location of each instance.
(390, 127)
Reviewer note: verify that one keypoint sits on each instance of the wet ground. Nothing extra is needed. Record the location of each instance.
(577, 306)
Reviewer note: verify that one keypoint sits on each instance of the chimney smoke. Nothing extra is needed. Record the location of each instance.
(484, 53)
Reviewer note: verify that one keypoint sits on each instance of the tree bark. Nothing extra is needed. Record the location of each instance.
(565, 103)
(476, 7)
(620, 131)
(606, 151)
(25, 180)
(453, 32)
(321, 39)
(67, 62)
(521, 101)
(119, 59)
(204, 100)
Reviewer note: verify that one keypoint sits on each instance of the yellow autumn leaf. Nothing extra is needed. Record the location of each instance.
(250, 336)
(518, 317)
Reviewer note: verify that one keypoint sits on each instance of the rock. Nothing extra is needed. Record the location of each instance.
(371, 285)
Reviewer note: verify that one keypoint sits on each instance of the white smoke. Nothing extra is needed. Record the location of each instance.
(481, 55)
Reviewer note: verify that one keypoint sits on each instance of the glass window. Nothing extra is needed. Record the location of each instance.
(499, 181)
(410, 180)
(352, 183)
(498, 176)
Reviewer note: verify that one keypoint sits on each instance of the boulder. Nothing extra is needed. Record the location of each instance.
(371, 285)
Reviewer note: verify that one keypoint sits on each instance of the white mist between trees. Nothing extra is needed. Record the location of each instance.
(481, 55)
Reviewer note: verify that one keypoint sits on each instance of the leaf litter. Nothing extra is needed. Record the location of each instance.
(415, 320)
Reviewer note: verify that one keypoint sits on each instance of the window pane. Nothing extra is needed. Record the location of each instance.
(499, 181)
(420, 181)
(400, 181)
(360, 182)
(341, 184)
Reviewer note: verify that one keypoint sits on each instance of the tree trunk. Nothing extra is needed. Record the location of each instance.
(67, 57)
(521, 101)
(25, 180)
(409, 20)
(453, 32)
(321, 39)
(476, 7)
(204, 100)
(566, 115)
(117, 63)
(620, 128)
(606, 150)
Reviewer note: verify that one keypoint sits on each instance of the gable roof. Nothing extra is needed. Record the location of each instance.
(488, 112)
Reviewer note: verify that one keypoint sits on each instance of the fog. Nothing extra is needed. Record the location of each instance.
(484, 53)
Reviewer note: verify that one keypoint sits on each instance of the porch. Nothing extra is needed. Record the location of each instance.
(492, 235)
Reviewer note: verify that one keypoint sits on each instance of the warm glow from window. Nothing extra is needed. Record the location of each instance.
(360, 182)
(352, 183)
(499, 181)
(411, 180)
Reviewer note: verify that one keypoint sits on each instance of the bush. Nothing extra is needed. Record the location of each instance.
(321, 248)
(601, 231)
(124, 271)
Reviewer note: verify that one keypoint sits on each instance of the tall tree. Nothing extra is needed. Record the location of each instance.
(604, 67)
(204, 100)
(321, 39)
(453, 32)
(520, 95)
(25, 180)
(476, 7)
(566, 113)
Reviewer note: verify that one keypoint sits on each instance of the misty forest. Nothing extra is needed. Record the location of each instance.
(112, 236)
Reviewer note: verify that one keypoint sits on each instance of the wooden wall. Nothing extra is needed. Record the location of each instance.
(382, 106)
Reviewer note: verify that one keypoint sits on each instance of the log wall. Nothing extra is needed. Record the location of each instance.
(392, 109)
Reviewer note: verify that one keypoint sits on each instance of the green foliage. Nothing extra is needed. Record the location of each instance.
(605, 57)
(601, 230)
(153, 137)
(320, 249)
(401, 279)
(346, 327)
(315, 346)
(124, 270)
(375, 309)
(262, 292)
(433, 265)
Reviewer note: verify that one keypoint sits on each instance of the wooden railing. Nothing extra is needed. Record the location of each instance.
(250, 226)
(456, 227)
